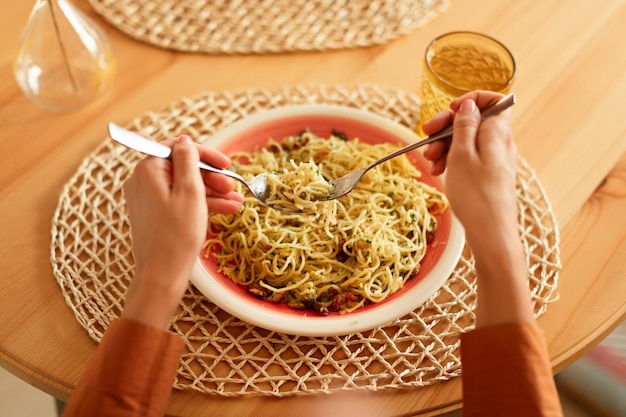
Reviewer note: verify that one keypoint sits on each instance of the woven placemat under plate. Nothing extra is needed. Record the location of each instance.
(266, 26)
(91, 256)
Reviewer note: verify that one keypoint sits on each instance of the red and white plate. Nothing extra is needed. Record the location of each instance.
(439, 262)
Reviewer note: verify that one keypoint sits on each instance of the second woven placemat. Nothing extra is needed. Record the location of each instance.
(266, 26)
(91, 256)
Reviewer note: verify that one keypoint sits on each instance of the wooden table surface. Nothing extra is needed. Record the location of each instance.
(569, 123)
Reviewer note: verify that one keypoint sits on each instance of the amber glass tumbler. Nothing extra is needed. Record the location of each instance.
(458, 62)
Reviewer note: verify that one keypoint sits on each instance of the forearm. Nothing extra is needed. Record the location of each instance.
(502, 274)
(131, 373)
(503, 294)
(152, 301)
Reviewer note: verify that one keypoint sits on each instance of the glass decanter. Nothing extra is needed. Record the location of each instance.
(64, 60)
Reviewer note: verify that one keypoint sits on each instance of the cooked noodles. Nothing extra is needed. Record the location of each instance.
(344, 253)
(297, 187)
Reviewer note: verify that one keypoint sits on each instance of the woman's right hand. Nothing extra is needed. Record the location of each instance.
(481, 160)
(481, 164)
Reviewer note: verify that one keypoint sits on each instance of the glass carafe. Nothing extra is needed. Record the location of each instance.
(64, 60)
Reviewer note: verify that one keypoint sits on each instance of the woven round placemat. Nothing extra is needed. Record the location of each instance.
(266, 26)
(91, 256)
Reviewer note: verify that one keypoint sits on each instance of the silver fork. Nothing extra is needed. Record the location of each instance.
(345, 184)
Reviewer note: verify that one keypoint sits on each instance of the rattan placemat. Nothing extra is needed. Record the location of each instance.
(92, 262)
(266, 26)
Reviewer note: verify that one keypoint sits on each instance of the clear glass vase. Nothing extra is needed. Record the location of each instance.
(64, 60)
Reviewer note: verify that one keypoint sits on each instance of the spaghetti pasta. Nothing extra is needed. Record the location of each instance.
(346, 253)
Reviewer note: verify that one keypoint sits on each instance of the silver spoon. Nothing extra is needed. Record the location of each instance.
(257, 186)
(345, 184)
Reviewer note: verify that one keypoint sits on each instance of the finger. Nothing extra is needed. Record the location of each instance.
(439, 166)
(438, 122)
(436, 149)
(223, 206)
(213, 157)
(466, 124)
(185, 162)
(480, 97)
(220, 183)
(232, 195)
(205, 154)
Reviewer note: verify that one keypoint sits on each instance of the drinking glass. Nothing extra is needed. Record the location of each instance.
(458, 62)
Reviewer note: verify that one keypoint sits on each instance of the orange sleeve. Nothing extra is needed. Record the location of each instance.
(507, 372)
(130, 375)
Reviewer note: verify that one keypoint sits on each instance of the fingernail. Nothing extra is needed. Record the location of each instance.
(183, 139)
(467, 106)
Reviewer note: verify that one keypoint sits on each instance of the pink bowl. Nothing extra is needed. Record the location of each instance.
(441, 258)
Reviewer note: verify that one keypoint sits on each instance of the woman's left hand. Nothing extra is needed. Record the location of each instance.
(168, 204)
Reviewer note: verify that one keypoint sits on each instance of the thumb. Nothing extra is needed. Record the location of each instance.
(186, 176)
(465, 127)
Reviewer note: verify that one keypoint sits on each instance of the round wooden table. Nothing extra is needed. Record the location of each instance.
(569, 124)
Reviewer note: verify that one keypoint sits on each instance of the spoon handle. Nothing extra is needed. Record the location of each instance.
(496, 108)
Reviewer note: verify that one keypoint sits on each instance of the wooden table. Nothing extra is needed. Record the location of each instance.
(570, 125)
